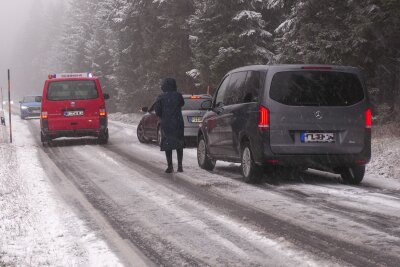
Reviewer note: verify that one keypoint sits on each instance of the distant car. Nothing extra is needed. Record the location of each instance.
(149, 126)
(30, 107)
(300, 116)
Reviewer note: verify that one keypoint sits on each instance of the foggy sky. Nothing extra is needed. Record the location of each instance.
(14, 15)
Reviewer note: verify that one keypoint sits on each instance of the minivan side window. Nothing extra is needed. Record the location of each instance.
(221, 92)
(252, 87)
(235, 92)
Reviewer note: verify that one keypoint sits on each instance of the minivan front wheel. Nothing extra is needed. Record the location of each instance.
(352, 175)
(250, 170)
(204, 161)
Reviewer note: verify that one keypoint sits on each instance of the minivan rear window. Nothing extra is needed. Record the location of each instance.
(194, 104)
(72, 90)
(316, 88)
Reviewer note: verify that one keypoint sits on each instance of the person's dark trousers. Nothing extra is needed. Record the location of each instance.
(168, 154)
(179, 152)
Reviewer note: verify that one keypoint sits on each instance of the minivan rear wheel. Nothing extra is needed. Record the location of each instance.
(203, 159)
(44, 138)
(251, 172)
(352, 175)
(103, 137)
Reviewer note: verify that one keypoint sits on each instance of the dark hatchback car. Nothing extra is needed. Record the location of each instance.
(299, 116)
(30, 107)
(149, 126)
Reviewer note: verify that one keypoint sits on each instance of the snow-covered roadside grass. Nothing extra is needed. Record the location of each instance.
(37, 228)
(385, 162)
(130, 118)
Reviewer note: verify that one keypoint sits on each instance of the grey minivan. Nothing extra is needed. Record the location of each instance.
(301, 116)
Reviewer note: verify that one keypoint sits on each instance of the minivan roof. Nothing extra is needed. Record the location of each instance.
(295, 67)
(73, 79)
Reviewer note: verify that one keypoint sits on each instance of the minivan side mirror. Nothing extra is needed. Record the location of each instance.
(106, 96)
(206, 105)
(144, 109)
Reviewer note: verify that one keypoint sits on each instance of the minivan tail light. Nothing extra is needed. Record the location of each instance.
(368, 118)
(102, 112)
(44, 115)
(263, 121)
(361, 162)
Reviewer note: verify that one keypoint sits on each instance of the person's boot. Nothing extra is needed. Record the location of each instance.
(179, 153)
(170, 169)
(180, 169)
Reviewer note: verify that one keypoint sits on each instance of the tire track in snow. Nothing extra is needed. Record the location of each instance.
(314, 242)
(374, 220)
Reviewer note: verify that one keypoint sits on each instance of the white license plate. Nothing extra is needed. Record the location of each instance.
(196, 119)
(317, 137)
(36, 111)
(73, 113)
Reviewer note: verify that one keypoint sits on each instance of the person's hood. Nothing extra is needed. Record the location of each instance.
(168, 85)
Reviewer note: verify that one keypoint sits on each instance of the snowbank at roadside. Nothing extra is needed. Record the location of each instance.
(130, 118)
(385, 161)
(37, 228)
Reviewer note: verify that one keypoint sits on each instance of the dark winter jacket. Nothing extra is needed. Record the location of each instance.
(169, 108)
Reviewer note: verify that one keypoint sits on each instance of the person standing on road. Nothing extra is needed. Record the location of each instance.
(168, 108)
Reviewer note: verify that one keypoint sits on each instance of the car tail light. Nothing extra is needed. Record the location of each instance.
(44, 115)
(263, 121)
(368, 118)
(361, 162)
(102, 111)
(273, 161)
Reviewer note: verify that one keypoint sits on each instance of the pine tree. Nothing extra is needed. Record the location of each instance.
(357, 33)
(229, 34)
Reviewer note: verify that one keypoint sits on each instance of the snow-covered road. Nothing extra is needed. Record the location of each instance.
(120, 194)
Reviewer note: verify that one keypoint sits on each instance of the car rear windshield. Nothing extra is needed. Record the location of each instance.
(72, 90)
(31, 99)
(316, 88)
(193, 104)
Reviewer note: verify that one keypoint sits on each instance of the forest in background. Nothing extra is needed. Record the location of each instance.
(132, 44)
